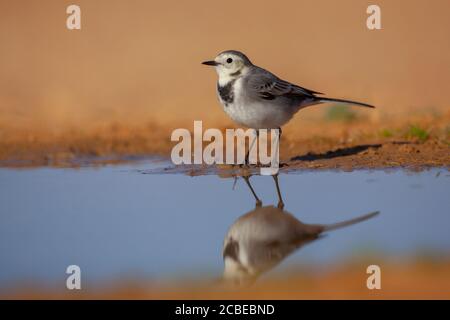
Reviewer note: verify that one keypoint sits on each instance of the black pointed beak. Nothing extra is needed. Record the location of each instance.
(210, 63)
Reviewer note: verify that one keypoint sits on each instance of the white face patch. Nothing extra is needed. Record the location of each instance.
(230, 68)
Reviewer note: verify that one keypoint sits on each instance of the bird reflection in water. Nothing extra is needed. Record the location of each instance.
(260, 239)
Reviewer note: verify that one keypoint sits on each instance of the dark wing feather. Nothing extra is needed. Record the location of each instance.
(268, 86)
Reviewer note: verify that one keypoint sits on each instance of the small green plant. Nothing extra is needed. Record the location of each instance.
(340, 112)
(386, 133)
(417, 132)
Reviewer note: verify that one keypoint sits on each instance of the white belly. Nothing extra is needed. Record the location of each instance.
(259, 114)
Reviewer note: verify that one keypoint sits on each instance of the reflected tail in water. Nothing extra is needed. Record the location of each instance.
(346, 223)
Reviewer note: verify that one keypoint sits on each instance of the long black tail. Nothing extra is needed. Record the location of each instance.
(322, 99)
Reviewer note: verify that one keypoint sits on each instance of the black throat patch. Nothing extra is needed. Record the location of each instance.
(226, 92)
(231, 250)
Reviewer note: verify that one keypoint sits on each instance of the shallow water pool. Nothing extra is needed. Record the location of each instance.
(115, 221)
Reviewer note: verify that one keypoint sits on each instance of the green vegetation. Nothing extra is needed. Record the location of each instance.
(340, 112)
(417, 132)
(386, 133)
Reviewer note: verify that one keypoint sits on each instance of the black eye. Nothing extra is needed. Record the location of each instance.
(229, 60)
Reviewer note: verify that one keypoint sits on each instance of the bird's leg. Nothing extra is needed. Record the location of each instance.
(279, 141)
(251, 147)
(280, 199)
(247, 180)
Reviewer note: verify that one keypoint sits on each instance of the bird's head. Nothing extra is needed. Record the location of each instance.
(230, 64)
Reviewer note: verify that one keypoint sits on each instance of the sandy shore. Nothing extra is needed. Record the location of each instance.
(413, 143)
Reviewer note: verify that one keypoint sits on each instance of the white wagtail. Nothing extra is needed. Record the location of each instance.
(265, 236)
(260, 239)
(256, 98)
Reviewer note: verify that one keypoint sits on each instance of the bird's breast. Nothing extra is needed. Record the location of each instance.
(248, 111)
(226, 92)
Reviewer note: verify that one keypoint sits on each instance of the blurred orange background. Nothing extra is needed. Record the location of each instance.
(139, 61)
